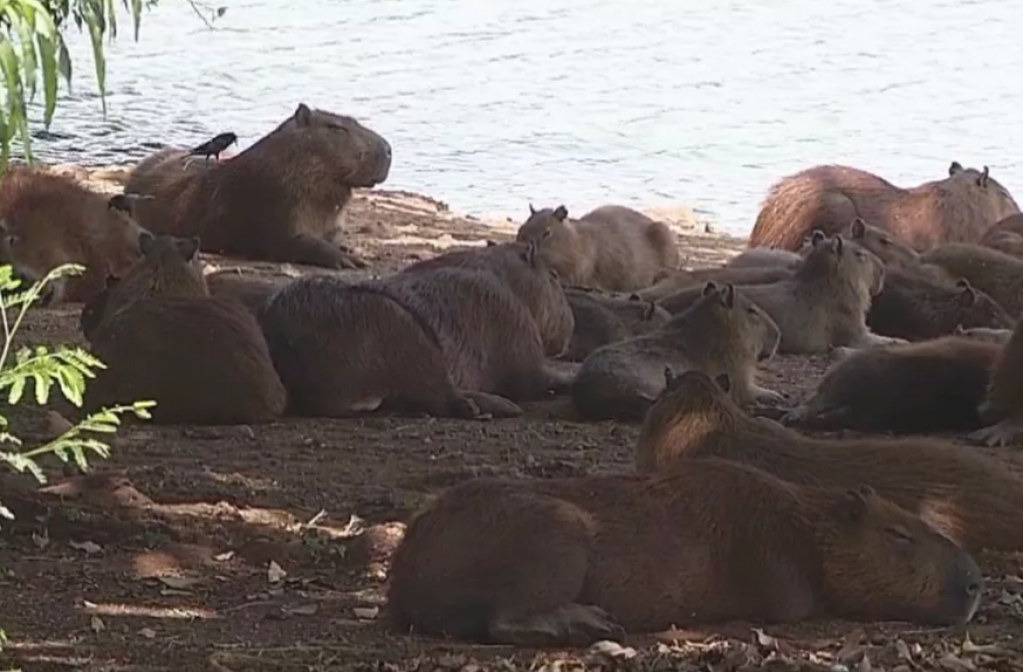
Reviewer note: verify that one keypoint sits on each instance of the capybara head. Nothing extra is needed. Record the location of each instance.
(880, 559)
(740, 327)
(341, 145)
(94, 310)
(983, 191)
(977, 309)
(845, 264)
(884, 245)
(544, 223)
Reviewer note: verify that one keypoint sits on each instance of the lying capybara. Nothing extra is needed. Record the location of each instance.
(613, 248)
(998, 274)
(972, 498)
(959, 208)
(283, 199)
(765, 257)
(557, 562)
(678, 281)
(202, 359)
(909, 389)
(602, 318)
(1003, 404)
(48, 220)
(523, 270)
(253, 291)
(343, 349)
(1006, 236)
(724, 332)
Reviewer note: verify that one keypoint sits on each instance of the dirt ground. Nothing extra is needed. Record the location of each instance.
(264, 548)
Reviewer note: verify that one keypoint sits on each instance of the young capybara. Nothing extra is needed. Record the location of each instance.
(283, 199)
(202, 359)
(972, 498)
(523, 270)
(998, 274)
(342, 349)
(611, 248)
(48, 220)
(724, 332)
(602, 318)
(566, 562)
(679, 281)
(1003, 404)
(908, 389)
(959, 208)
(253, 291)
(1006, 236)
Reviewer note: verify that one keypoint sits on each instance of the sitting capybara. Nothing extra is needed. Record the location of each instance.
(959, 208)
(48, 220)
(972, 498)
(998, 274)
(1003, 404)
(343, 349)
(523, 270)
(605, 318)
(557, 562)
(678, 281)
(1006, 236)
(611, 248)
(253, 291)
(202, 359)
(283, 199)
(912, 389)
(724, 332)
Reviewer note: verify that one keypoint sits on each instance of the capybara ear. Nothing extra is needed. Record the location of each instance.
(491, 243)
(728, 295)
(146, 241)
(188, 247)
(669, 377)
(710, 288)
(532, 210)
(303, 115)
(837, 245)
(634, 297)
(816, 237)
(982, 180)
(954, 168)
(724, 381)
(858, 229)
(561, 213)
(111, 280)
(648, 311)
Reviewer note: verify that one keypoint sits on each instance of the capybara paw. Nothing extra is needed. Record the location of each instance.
(569, 625)
(765, 397)
(839, 352)
(1003, 433)
(796, 415)
(493, 405)
(464, 408)
(350, 261)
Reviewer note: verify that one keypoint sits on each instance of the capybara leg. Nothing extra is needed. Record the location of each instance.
(839, 352)
(568, 625)
(493, 405)
(1004, 433)
(306, 249)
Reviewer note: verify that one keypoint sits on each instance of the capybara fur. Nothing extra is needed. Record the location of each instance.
(916, 388)
(679, 281)
(890, 250)
(49, 220)
(971, 497)
(724, 332)
(999, 336)
(602, 318)
(1002, 409)
(958, 208)
(1006, 236)
(202, 359)
(523, 270)
(995, 273)
(765, 257)
(342, 349)
(566, 562)
(282, 200)
(613, 248)
(254, 291)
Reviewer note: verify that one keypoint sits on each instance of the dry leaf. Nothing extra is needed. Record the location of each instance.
(40, 541)
(86, 546)
(148, 633)
(177, 582)
(864, 665)
(612, 649)
(224, 557)
(304, 610)
(366, 613)
(903, 650)
(171, 592)
(96, 624)
(275, 573)
(955, 663)
(970, 647)
(671, 636)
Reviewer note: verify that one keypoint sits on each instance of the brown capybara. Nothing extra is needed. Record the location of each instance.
(885, 246)
(916, 307)
(679, 281)
(1006, 236)
(959, 208)
(556, 562)
(602, 318)
(202, 359)
(613, 248)
(918, 388)
(1003, 405)
(523, 270)
(254, 291)
(48, 220)
(995, 273)
(342, 349)
(283, 199)
(724, 332)
(971, 497)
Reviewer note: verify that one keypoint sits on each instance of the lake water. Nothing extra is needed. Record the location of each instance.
(492, 105)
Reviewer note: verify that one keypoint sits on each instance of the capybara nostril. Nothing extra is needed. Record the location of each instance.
(963, 589)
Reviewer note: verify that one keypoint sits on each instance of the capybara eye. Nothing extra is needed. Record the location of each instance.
(900, 534)
(886, 242)
(752, 311)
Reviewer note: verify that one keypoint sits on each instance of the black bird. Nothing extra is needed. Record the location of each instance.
(215, 146)
(126, 202)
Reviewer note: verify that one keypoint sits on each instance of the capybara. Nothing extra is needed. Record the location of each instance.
(48, 220)
(613, 248)
(202, 359)
(765, 257)
(959, 208)
(908, 389)
(971, 497)
(556, 562)
(602, 318)
(523, 270)
(1003, 404)
(254, 291)
(998, 274)
(1006, 236)
(885, 246)
(724, 332)
(681, 280)
(283, 199)
(343, 349)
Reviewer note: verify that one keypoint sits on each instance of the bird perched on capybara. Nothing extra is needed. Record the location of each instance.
(254, 291)
(283, 199)
(214, 146)
(958, 208)
(613, 248)
(202, 359)
(1003, 404)
(724, 332)
(523, 270)
(917, 388)
(602, 318)
(1006, 236)
(998, 274)
(972, 498)
(557, 562)
(48, 220)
